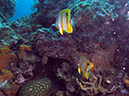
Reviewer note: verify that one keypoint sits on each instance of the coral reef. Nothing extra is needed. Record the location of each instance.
(32, 48)
(105, 55)
(36, 87)
(8, 35)
(59, 43)
(7, 57)
(27, 63)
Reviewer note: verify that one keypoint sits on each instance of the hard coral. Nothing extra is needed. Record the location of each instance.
(37, 87)
(5, 56)
(23, 48)
(7, 75)
(24, 56)
(53, 46)
(27, 62)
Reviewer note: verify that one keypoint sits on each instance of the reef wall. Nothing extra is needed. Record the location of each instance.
(32, 49)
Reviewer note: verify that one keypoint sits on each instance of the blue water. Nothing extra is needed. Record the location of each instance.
(22, 9)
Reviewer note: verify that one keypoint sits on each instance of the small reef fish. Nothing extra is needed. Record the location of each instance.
(63, 21)
(85, 66)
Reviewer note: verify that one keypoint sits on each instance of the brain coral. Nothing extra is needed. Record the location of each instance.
(37, 87)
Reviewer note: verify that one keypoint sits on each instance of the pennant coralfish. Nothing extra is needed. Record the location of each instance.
(63, 21)
(84, 66)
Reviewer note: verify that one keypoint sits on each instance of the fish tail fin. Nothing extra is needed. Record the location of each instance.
(79, 70)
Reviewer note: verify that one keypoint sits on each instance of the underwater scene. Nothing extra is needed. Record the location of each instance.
(64, 47)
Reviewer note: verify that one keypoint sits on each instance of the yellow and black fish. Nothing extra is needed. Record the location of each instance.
(63, 21)
(85, 66)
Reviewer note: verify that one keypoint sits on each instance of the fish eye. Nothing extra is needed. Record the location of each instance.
(66, 14)
(88, 64)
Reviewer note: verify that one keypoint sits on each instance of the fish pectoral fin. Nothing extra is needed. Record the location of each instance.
(87, 75)
(79, 70)
(61, 32)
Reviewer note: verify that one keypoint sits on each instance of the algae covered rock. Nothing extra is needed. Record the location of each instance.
(37, 87)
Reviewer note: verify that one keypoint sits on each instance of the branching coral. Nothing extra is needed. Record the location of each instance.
(93, 87)
(7, 8)
(101, 7)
